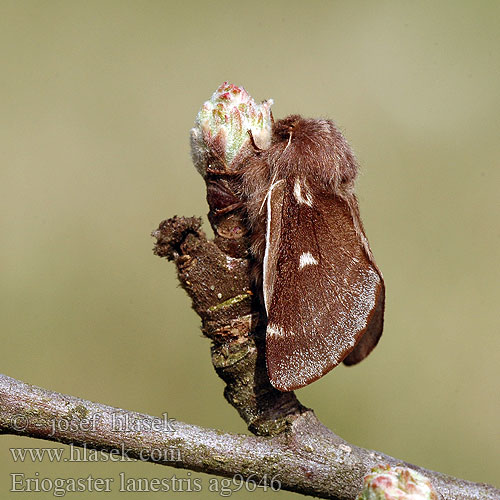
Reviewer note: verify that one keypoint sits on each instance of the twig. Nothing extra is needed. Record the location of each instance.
(308, 458)
(292, 449)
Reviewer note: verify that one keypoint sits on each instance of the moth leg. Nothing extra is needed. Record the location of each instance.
(225, 172)
(229, 208)
(222, 198)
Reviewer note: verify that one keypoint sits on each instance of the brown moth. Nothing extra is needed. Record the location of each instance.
(322, 291)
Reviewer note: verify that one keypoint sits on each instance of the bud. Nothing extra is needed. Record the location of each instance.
(396, 483)
(223, 124)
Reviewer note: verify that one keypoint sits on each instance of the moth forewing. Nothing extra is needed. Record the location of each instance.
(322, 293)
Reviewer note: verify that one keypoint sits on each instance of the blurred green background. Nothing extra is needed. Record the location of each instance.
(97, 99)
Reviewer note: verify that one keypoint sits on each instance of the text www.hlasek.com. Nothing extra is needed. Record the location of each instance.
(83, 454)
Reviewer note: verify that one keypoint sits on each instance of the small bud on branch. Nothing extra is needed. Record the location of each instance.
(396, 483)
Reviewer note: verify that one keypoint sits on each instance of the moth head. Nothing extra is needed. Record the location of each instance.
(285, 128)
(316, 146)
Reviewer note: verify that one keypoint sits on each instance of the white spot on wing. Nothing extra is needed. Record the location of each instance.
(306, 259)
(276, 331)
(299, 195)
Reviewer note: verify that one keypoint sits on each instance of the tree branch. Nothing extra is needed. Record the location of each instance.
(290, 447)
(307, 459)
(293, 450)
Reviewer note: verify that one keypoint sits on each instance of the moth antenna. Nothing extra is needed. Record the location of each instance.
(288, 143)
